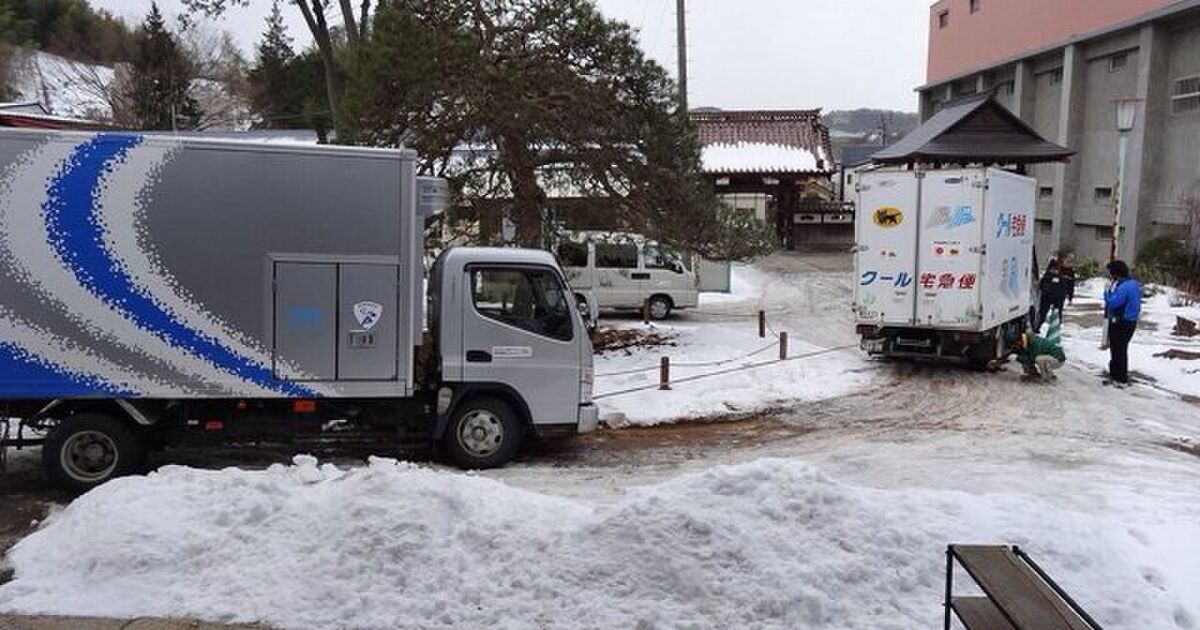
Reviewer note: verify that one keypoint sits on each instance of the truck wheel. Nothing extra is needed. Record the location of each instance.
(659, 307)
(483, 433)
(88, 449)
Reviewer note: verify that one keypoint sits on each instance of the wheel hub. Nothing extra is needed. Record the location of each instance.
(481, 433)
(89, 456)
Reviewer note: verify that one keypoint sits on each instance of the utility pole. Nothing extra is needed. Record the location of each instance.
(681, 44)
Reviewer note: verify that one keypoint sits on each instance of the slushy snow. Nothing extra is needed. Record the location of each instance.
(722, 335)
(768, 544)
(1154, 336)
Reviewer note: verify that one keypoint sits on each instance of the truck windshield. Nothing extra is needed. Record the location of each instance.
(529, 299)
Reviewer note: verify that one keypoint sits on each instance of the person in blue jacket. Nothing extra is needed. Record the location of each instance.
(1122, 307)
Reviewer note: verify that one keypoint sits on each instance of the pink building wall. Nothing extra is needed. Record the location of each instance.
(1003, 29)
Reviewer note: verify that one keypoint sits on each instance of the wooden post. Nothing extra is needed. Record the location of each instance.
(762, 324)
(646, 311)
(664, 373)
(782, 345)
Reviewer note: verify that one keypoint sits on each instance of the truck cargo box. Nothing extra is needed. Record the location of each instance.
(946, 250)
(153, 266)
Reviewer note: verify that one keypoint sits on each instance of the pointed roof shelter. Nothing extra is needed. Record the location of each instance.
(973, 130)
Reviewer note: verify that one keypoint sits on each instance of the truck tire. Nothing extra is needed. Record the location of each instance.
(484, 432)
(659, 307)
(88, 449)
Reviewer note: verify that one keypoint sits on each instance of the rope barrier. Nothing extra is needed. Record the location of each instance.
(696, 377)
(692, 364)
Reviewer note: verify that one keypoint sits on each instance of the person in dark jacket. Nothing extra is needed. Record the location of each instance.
(1053, 289)
(1122, 307)
(1066, 270)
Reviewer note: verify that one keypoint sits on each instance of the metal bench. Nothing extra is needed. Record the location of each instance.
(1018, 594)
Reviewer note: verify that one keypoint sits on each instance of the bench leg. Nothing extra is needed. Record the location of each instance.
(949, 582)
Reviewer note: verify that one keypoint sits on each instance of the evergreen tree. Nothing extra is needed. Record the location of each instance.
(559, 91)
(286, 88)
(160, 81)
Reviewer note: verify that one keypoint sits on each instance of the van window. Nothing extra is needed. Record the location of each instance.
(529, 299)
(617, 255)
(573, 254)
(654, 256)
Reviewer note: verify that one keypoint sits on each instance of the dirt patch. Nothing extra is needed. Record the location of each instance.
(1185, 327)
(1175, 353)
(667, 442)
(1185, 445)
(609, 340)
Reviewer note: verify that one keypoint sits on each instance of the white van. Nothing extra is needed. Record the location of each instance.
(627, 271)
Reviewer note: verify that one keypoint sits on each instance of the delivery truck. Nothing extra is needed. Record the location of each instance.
(944, 262)
(159, 291)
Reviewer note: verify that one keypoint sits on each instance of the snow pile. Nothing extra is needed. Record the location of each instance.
(770, 544)
(1154, 336)
(65, 87)
(756, 157)
(722, 334)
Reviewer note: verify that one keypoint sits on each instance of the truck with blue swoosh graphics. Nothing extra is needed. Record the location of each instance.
(161, 291)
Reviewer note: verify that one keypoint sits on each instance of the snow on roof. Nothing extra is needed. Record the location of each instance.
(757, 157)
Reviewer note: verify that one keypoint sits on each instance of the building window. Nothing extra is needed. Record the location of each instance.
(1103, 194)
(1117, 63)
(1056, 76)
(976, 5)
(1185, 97)
(1007, 88)
(1044, 226)
(1103, 233)
(943, 19)
(1046, 193)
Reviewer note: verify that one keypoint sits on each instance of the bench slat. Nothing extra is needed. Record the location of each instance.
(1017, 590)
(979, 613)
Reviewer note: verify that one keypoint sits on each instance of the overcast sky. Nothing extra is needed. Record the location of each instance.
(835, 54)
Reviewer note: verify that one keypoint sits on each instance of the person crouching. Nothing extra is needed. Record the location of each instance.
(1041, 356)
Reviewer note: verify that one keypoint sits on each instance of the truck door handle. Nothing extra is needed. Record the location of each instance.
(639, 276)
(478, 356)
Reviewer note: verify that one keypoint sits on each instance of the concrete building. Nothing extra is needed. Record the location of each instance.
(1063, 66)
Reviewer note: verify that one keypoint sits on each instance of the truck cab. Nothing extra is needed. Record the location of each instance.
(628, 271)
(507, 333)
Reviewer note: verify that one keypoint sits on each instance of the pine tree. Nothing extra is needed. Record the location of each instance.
(272, 93)
(158, 91)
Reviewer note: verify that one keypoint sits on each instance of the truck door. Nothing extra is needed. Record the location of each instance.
(335, 321)
(520, 332)
(367, 322)
(886, 256)
(618, 283)
(950, 253)
(305, 321)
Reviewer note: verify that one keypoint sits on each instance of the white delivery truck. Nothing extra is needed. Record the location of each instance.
(944, 262)
(159, 291)
(627, 271)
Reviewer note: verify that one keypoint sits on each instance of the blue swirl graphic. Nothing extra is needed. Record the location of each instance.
(73, 225)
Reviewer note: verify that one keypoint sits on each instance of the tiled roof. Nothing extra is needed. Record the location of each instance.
(799, 129)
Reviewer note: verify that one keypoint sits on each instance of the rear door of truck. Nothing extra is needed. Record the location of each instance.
(1009, 233)
(886, 238)
(950, 252)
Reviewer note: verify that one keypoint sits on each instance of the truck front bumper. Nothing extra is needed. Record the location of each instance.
(589, 418)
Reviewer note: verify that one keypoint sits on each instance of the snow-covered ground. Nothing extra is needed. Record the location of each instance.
(1083, 332)
(721, 336)
(768, 544)
(842, 523)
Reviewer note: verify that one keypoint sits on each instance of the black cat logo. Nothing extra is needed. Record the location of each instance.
(888, 217)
